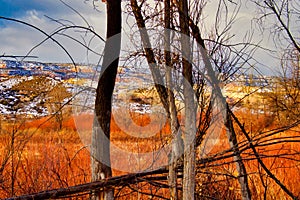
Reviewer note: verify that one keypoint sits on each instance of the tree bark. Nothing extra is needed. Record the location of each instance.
(190, 114)
(100, 149)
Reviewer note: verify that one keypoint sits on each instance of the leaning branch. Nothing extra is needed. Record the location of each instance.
(258, 157)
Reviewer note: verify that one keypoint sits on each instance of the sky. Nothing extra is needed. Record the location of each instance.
(18, 39)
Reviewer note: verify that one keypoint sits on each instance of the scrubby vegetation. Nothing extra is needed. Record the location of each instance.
(36, 156)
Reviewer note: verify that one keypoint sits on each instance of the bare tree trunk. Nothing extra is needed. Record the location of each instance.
(166, 95)
(175, 127)
(100, 149)
(190, 114)
(172, 164)
(221, 101)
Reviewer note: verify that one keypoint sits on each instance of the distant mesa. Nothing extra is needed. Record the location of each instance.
(57, 71)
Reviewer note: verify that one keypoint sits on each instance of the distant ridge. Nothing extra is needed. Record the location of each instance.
(61, 71)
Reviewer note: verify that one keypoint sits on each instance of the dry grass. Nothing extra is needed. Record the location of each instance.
(45, 158)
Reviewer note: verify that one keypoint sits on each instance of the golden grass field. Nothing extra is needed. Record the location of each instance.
(40, 157)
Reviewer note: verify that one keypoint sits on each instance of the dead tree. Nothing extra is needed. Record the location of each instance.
(190, 114)
(221, 101)
(165, 93)
(176, 151)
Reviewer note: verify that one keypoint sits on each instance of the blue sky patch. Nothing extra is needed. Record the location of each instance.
(18, 8)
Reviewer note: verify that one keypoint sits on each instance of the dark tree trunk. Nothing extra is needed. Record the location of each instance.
(100, 149)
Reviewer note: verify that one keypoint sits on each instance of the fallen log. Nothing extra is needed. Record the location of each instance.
(88, 187)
